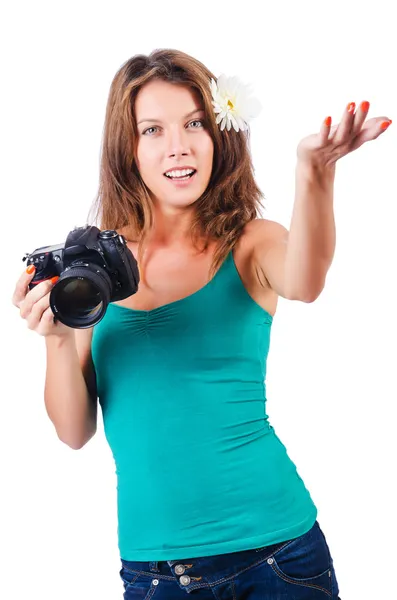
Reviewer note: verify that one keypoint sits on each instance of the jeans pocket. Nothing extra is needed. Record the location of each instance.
(305, 561)
(137, 585)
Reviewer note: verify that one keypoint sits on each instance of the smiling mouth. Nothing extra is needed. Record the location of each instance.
(185, 177)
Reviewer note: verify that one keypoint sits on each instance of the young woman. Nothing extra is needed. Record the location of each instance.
(208, 499)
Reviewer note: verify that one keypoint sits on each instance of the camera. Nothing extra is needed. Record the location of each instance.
(94, 268)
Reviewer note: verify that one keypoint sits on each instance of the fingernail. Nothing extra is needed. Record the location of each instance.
(328, 121)
(351, 106)
(30, 269)
(54, 280)
(364, 106)
(386, 124)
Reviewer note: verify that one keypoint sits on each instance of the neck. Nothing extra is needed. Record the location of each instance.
(171, 227)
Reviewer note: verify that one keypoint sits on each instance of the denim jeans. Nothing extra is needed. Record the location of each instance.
(297, 569)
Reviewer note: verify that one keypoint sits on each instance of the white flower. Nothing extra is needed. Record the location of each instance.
(232, 103)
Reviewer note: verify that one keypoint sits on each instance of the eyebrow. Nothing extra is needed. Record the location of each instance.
(159, 120)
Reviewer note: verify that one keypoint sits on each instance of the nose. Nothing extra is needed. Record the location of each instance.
(178, 143)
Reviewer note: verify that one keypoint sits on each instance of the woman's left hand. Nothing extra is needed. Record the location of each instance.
(323, 149)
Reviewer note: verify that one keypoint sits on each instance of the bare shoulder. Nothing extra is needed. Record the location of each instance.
(264, 238)
(262, 233)
(263, 247)
(258, 235)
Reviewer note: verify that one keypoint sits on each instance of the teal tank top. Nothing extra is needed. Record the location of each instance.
(200, 470)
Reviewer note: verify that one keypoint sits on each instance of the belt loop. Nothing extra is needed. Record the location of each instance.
(153, 566)
(172, 562)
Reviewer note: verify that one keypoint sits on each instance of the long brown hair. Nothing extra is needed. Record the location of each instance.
(123, 201)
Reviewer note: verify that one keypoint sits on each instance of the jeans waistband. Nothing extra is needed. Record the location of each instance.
(214, 568)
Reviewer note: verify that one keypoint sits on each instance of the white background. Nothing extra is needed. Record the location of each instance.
(331, 370)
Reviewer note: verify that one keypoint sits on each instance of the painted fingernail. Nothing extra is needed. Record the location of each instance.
(351, 106)
(386, 124)
(328, 121)
(54, 280)
(30, 269)
(364, 106)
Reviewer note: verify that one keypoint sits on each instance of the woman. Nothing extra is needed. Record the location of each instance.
(208, 498)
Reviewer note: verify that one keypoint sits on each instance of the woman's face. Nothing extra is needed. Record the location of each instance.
(172, 135)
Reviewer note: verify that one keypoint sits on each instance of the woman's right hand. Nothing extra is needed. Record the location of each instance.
(34, 306)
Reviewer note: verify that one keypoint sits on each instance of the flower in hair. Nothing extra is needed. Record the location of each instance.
(232, 103)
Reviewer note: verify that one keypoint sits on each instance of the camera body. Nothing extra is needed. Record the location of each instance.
(94, 268)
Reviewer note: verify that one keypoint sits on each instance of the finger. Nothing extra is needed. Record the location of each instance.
(332, 133)
(48, 319)
(360, 116)
(34, 317)
(48, 316)
(371, 131)
(384, 125)
(345, 126)
(325, 130)
(22, 286)
(35, 294)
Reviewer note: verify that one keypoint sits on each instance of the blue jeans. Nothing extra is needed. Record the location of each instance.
(297, 569)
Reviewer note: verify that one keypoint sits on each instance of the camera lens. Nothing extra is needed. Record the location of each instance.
(81, 296)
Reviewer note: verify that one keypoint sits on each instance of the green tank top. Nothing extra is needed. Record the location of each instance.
(200, 470)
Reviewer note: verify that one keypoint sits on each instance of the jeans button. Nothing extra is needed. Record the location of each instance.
(180, 569)
(270, 561)
(185, 580)
(155, 581)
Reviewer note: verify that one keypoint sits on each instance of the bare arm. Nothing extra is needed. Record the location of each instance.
(295, 263)
(70, 386)
(70, 390)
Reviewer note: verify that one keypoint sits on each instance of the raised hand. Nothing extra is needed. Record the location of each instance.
(331, 143)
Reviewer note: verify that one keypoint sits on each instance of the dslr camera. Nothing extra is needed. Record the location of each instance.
(94, 268)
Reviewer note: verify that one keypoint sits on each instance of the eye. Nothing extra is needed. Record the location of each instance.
(197, 121)
(148, 129)
(201, 121)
